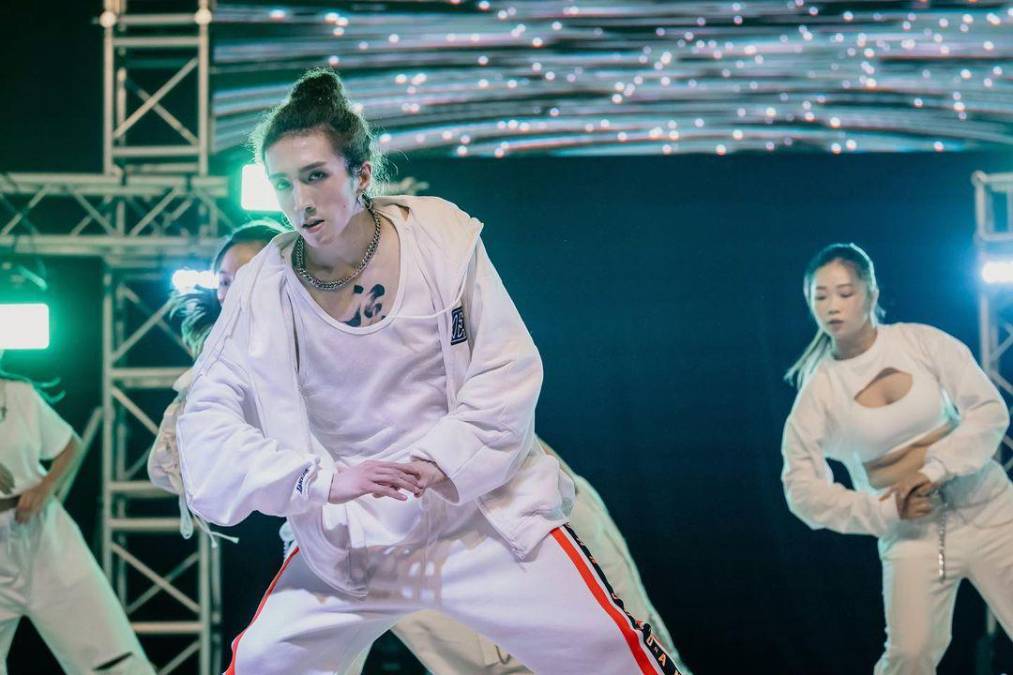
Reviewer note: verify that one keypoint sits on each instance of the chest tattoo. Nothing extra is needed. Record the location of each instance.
(368, 307)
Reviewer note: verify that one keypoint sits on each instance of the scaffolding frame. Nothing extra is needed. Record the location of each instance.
(993, 202)
(138, 226)
(153, 207)
(175, 47)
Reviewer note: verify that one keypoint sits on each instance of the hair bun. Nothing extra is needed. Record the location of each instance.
(318, 86)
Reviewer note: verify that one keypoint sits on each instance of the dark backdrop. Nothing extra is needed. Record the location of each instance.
(664, 294)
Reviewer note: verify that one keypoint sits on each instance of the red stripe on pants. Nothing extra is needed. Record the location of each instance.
(263, 601)
(591, 580)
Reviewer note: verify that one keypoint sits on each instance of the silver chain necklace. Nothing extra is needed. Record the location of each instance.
(299, 257)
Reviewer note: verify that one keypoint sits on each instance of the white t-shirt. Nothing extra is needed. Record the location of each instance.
(372, 392)
(29, 432)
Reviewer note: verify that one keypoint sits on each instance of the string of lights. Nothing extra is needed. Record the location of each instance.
(605, 77)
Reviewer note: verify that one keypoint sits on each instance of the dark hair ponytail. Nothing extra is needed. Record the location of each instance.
(199, 308)
(317, 101)
(861, 264)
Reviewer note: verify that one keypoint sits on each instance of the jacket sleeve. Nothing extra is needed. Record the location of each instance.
(229, 467)
(163, 458)
(984, 415)
(809, 487)
(484, 438)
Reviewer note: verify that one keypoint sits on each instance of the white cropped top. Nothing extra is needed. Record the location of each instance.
(827, 422)
(870, 433)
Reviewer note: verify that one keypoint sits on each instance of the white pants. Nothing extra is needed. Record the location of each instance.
(49, 575)
(919, 605)
(554, 611)
(446, 646)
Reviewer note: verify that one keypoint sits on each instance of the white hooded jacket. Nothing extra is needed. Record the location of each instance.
(244, 437)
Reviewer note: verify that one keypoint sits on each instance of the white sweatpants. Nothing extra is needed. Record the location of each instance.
(554, 611)
(919, 605)
(49, 575)
(446, 646)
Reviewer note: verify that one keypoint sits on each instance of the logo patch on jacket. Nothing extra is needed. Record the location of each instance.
(299, 485)
(458, 331)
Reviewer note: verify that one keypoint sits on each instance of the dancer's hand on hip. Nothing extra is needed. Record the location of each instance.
(380, 479)
(917, 506)
(31, 502)
(913, 495)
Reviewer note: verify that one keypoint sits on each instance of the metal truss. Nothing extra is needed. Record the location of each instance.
(130, 221)
(156, 131)
(147, 57)
(142, 551)
(994, 239)
(140, 226)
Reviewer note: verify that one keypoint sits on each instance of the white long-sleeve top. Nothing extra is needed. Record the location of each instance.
(244, 436)
(826, 422)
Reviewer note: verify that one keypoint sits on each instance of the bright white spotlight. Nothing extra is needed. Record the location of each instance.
(997, 272)
(186, 280)
(24, 326)
(257, 192)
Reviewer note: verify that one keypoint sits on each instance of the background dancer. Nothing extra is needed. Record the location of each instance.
(47, 572)
(907, 410)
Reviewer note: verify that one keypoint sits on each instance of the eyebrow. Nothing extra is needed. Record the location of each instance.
(823, 288)
(314, 165)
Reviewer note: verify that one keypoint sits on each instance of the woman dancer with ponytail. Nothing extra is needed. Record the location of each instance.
(374, 352)
(199, 309)
(916, 423)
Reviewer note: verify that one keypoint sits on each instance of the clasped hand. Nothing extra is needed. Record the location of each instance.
(913, 495)
(31, 501)
(384, 479)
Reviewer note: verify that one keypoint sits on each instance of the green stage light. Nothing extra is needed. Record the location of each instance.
(257, 192)
(24, 326)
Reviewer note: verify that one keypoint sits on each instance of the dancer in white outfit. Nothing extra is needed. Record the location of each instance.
(917, 424)
(373, 353)
(47, 572)
(440, 643)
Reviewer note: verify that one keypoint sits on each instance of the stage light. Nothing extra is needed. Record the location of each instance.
(257, 192)
(24, 315)
(24, 326)
(186, 280)
(997, 272)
